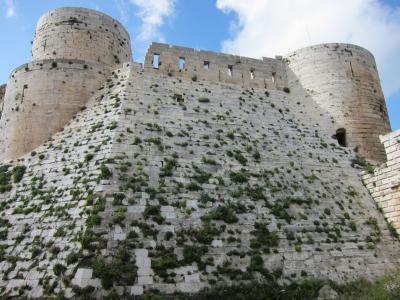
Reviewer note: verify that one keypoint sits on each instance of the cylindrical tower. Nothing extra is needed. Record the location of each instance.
(343, 80)
(80, 33)
(74, 51)
(41, 98)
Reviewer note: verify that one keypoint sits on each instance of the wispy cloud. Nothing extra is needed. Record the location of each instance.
(123, 9)
(10, 8)
(153, 14)
(268, 28)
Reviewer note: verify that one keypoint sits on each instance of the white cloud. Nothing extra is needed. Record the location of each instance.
(153, 14)
(10, 8)
(123, 9)
(269, 28)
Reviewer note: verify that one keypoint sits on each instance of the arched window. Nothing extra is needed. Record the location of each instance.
(341, 137)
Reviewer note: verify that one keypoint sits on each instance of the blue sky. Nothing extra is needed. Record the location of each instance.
(252, 28)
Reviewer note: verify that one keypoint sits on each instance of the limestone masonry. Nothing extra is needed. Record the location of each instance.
(194, 170)
(384, 182)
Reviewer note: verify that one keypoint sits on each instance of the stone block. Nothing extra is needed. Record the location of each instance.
(145, 280)
(137, 290)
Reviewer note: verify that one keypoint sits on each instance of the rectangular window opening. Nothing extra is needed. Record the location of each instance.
(182, 63)
(252, 74)
(273, 77)
(206, 65)
(230, 70)
(156, 61)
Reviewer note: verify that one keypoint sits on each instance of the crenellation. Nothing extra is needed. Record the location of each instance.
(266, 73)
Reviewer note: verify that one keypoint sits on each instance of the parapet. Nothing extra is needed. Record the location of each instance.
(83, 34)
(206, 65)
(343, 80)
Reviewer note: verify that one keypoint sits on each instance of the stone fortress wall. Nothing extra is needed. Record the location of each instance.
(343, 80)
(190, 63)
(73, 52)
(71, 65)
(384, 182)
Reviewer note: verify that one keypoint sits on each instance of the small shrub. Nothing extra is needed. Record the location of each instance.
(152, 210)
(393, 230)
(223, 213)
(168, 168)
(239, 177)
(118, 197)
(204, 100)
(240, 158)
(59, 269)
(193, 187)
(113, 125)
(193, 253)
(72, 258)
(208, 161)
(263, 237)
(89, 157)
(256, 263)
(119, 216)
(105, 172)
(155, 141)
(353, 226)
(93, 220)
(164, 262)
(18, 172)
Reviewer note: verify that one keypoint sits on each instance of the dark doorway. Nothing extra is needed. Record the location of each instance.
(341, 137)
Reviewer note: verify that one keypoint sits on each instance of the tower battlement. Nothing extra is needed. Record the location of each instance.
(80, 33)
(73, 52)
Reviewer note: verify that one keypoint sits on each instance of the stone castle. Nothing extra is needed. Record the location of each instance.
(192, 171)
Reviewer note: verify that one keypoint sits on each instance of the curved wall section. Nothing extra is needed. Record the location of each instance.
(84, 34)
(41, 98)
(343, 80)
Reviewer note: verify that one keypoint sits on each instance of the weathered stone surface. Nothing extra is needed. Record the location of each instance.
(137, 290)
(177, 183)
(384, 181)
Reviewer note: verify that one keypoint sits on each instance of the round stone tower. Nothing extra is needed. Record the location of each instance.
(343, 80)
(80, 33)
(73, 53)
